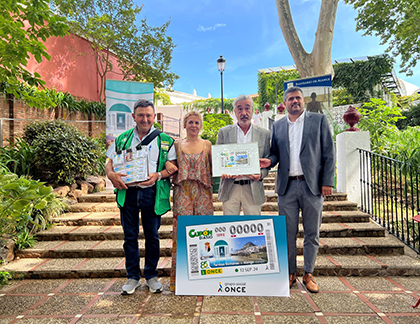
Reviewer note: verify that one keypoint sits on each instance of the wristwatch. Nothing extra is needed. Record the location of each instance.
(159, 176)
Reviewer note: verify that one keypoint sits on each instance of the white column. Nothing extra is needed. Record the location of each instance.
(348, 162)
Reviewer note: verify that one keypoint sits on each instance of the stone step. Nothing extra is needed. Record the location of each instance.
(115, 232)
(113, 218)
(87, 249)
(326, 265)
(94, 233)
(271, 196)
(114, 248)
(268, 206)
(99, 219)
(328, 206)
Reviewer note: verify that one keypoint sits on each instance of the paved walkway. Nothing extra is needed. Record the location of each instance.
(340, 300)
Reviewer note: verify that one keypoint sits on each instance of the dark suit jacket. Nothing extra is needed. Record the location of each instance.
(316, 154)
(229, 135)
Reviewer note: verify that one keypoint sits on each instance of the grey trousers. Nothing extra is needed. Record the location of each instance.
(241, 196)
(299, 197)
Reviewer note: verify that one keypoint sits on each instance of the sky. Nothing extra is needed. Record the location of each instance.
(248, 35)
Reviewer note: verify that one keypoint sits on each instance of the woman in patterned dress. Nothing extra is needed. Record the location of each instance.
(193, 193)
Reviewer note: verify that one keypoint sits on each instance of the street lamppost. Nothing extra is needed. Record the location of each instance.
(221, 65)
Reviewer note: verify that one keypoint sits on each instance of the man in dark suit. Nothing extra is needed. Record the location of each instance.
(303, 146)
(245, 191)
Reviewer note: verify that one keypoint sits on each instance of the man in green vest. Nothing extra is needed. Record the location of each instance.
(151, 196)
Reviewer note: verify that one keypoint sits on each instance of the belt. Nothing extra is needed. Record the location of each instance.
(242, 182)
(299, 177)
(135, 187)
(138, 187)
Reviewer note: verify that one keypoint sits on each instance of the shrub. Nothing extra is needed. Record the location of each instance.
(101, 142)
(18, 157)
(412, 117)
(63, 153)
(26, 206)
(404, 145)
(378, 119)
(4, 278)
(211, 125)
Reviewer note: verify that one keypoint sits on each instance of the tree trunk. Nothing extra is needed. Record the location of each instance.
(318, 62)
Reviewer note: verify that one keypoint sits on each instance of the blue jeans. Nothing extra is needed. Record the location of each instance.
(140, 199)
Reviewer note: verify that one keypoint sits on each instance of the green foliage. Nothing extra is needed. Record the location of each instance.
(379, 120)
(144, 53)
(337, 128)
(352, 83)
(211, 125)
(412, 117)
(24, 27)
(160, 95)
(56, 99)
(101, 142)
(4, 278)
(267, 86)
(341, 97)
(26, 206)
(63, 153)
(360, 77)
(67, 101)
(24, 239)
(396, 24)
(18, 157)
(157, 125)
(403, 145)
(262, 89)
(215, 105)
(19, 198)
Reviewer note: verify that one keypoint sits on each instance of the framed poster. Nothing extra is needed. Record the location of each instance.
(232, 256)
(235, 159)
(317, 93)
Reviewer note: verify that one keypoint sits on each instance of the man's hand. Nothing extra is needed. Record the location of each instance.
(229, 176)
(170, 167)
(265, 163)
(326, 191)
(151, 179)
(254, 177)
(115, 178)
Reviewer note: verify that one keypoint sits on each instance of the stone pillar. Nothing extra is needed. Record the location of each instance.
(348, 163)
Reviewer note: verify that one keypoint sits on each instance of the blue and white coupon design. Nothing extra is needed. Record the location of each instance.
(231, 249)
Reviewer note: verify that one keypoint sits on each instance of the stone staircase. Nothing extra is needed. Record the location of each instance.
(87, 242)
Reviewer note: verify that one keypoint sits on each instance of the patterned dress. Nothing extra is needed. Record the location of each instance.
(193, 193)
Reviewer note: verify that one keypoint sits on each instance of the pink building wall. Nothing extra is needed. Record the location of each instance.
(72, 67)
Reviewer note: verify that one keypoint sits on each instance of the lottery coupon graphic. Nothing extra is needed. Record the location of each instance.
(232, 249)
(133, 163)
(235, 159)
(232, 257)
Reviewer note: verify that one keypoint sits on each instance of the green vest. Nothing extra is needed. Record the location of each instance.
(163, 187)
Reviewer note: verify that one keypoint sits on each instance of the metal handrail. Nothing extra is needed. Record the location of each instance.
(390, 194)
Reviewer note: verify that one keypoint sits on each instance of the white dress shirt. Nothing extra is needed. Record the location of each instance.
(295, 143)
(244, 138)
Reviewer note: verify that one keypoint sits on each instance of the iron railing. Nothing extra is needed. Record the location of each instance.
(390, 194)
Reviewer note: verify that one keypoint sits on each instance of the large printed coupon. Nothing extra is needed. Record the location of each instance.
(133, 163)
(231, 249)
(235, 159)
